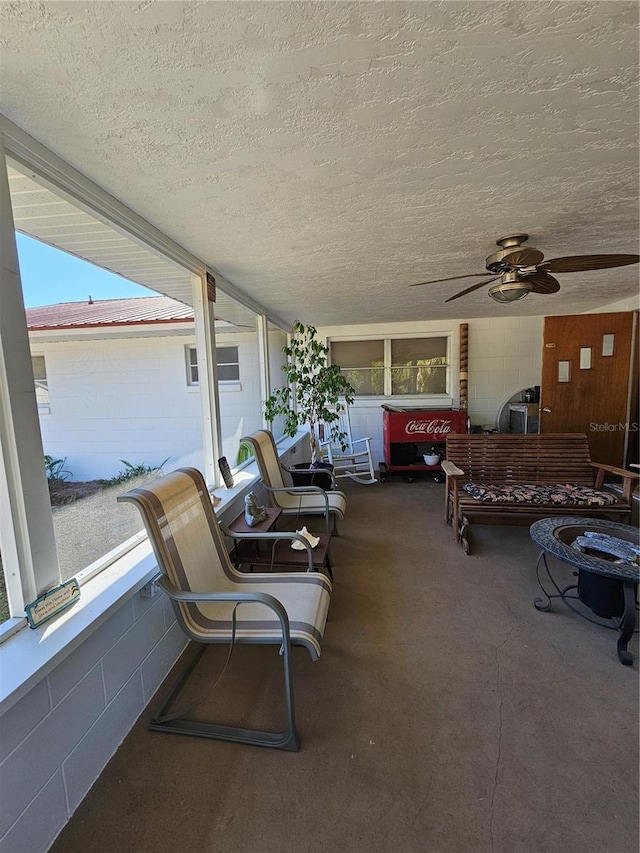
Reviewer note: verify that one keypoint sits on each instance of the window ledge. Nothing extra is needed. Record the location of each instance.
(27, 656)
(442, 401)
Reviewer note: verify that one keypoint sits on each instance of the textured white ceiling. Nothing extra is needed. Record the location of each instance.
(323, 156)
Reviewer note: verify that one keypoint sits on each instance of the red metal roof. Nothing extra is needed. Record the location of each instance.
(109, 312)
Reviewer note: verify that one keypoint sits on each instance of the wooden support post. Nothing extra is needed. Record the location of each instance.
(464, 365)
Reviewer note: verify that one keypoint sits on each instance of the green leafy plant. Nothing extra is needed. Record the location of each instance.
(130, 471)
(245, 451)
(315, 391)
(55, 470)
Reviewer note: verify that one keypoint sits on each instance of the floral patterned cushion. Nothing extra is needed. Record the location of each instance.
(560, 493)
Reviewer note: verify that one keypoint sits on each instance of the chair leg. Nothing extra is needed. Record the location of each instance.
(288, 739)
(358, 479)
(329, 566)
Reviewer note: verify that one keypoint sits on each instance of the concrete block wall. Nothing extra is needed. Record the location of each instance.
(505, 356)
(56, 740)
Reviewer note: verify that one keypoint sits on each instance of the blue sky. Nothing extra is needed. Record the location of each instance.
(49, 276)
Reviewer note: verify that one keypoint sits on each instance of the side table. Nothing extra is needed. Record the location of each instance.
(263, 545)
(608, 588)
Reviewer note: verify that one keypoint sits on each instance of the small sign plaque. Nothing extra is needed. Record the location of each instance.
(52, 602)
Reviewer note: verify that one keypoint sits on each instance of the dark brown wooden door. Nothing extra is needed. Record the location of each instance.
(586, 381)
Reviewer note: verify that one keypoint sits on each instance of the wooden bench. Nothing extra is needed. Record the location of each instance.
(495, 467)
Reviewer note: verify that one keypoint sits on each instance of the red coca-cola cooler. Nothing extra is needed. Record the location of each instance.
(411, 434)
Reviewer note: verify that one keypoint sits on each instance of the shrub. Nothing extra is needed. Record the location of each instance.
(55, 470)
(130, 471)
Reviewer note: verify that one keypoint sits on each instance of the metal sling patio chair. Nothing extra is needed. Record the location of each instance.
(292, 500)
(215, 603)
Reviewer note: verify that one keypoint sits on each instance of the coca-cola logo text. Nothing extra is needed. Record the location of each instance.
(438, 426)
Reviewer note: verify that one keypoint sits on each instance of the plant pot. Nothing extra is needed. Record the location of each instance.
(304, 475)
(319, 466)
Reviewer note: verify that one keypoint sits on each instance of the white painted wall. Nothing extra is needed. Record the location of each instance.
(119, 399)
(128, 398)
(630, 304)
(505, 356)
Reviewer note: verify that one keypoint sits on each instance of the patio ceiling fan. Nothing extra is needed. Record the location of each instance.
(522, 270)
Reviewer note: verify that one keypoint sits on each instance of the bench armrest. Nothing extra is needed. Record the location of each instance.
(451, 498)
(450, 469)
(629, 478)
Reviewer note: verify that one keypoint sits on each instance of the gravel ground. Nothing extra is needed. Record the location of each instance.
(88, 528)
(92, 526)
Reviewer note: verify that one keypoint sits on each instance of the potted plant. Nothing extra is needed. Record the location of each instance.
(315, 391)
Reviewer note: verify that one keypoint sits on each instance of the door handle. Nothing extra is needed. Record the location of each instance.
(546, 410)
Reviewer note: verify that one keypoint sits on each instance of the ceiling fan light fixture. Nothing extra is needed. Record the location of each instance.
(509, 291)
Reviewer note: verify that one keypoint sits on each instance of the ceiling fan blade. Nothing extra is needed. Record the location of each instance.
(452, 278)
(524, 258)
(582, 263)
(471, 289)
(542, 282)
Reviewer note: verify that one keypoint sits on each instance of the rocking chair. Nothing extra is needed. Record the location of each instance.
(355, 460)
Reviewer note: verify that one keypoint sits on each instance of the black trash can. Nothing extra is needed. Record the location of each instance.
(605, 596)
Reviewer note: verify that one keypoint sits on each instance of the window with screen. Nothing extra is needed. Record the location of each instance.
(42, 385)
(395, 366)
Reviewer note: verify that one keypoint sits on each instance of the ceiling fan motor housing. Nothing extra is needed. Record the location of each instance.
(495, 262)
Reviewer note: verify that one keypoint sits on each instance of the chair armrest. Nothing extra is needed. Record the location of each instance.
(274, 536)
(451, 470)
(297, 490)
(361, 440)
(629, 478)
(238, 597)
(302, 490)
